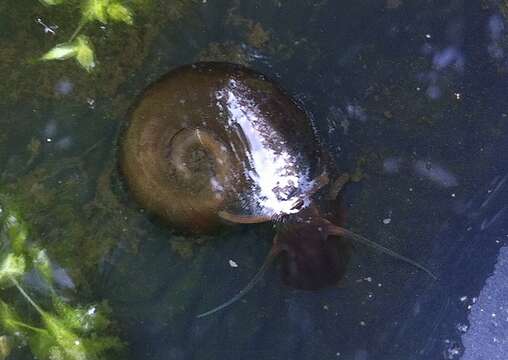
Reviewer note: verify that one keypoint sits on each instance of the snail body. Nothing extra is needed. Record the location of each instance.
(214, 143)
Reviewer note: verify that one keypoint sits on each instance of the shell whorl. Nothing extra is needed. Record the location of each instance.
(215, 136)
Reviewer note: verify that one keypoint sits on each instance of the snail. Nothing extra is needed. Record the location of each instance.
(214, 143)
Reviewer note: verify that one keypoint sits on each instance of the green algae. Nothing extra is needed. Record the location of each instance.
(79, 46)
(65, 332)
(24, 41)
(72, 231)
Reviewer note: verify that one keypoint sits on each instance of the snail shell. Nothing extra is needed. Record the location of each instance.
(213, 137)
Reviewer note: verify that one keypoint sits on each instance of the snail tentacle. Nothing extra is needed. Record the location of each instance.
(337, 186)
(340, 231)
(259, 275)
(317, 184)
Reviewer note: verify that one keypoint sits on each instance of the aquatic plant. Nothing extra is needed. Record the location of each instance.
(79, 47)
(64, 333)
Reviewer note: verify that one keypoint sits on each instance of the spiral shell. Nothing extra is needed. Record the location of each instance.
(209, 137)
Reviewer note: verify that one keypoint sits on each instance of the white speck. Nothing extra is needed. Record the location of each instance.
(49, 140)
(369, 279)
(337, 354)
(325, 307)
(463, 298)
(453, 195)
(379, 285)
(452, 352)
(362, 323)
(91, 311)
(457, 96)
(428, 36)
(76, 342)
(462, 327)
(387, 221)
(418, 88)
(91, 103)
(233, 264)
(47, 29)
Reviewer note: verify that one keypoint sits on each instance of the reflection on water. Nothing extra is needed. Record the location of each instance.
(435, 173)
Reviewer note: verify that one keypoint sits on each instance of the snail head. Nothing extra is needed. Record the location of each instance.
(310, 257)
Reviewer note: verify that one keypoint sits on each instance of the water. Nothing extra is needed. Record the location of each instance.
(408, 96)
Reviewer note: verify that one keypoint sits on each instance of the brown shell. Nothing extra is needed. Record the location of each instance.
(217, 136)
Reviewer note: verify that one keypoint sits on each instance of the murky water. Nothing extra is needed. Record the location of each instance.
(408, 96)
